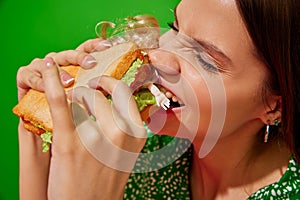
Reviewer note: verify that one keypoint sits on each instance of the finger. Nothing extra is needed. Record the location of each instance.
(107, 123)
(110, 153)
(121, 95)
(80, 115)
(125, 112)
(72, 57)
(55, 94)
(29, 77)
(95, 102)
(92, 45)
(66, 79)
(98, 143)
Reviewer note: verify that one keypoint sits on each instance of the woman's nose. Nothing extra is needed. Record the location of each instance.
(164, 61)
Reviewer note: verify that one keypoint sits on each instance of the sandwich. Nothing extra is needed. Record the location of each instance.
(124, 62)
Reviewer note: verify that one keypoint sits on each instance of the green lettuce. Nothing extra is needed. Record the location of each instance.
(129, 76)
(46, 138)
(144, 98)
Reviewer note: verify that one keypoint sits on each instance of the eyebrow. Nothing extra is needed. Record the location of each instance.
(214, 50)
(210, 47)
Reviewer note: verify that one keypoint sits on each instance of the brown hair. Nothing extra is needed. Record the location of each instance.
(274, 26)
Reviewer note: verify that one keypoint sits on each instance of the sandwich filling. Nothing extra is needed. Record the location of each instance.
(143, 97)
(46, 138)
(135, 77)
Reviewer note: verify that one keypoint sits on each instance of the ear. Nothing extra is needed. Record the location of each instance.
(272, 110)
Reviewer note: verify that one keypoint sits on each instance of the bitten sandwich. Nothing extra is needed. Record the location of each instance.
(124, 61)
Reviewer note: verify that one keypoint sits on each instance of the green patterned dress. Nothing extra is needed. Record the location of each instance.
(165, 175)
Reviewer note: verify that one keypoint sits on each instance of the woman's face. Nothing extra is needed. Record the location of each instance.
(209, 64)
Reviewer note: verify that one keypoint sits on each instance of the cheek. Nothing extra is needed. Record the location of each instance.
(224, 104)
(199, 98)
(244, 104)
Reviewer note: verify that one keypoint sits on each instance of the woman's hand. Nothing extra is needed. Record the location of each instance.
(29, 77)
(81, 166)
(92, 159)
(34, 164)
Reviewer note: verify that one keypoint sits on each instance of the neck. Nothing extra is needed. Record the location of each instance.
(238, 160)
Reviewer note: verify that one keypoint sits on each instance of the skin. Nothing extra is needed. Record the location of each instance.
(251, 164)
(70, 161)
(219, 23)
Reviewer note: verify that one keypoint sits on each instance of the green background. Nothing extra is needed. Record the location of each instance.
(30, 29)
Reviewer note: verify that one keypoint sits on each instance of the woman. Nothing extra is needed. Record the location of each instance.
(233, 64)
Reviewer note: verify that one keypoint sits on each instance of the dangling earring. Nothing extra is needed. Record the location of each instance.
(267, 132)
(276, 122)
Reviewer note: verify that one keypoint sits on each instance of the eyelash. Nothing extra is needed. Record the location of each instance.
(171, 25)
(205, 64)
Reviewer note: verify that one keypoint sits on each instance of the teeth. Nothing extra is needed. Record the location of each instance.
(163, 90)
(169, 95)
(174, 98)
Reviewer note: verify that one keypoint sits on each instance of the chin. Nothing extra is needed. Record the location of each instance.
(168, 122)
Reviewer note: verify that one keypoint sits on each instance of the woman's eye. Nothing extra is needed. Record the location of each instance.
(204, 59)
(171, 25)
(206, 62)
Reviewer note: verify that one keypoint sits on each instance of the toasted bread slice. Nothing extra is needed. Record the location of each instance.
(32, 128)
(34, 109)
(115, 61)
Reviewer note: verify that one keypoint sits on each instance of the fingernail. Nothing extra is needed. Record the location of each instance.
(66, 78)
(89, 61)
(105, 43)
(49, 62)
(102, 45)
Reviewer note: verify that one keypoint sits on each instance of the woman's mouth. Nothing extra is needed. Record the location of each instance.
(174, 100)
